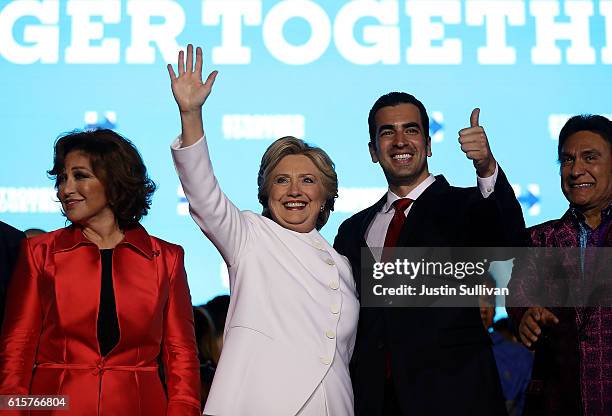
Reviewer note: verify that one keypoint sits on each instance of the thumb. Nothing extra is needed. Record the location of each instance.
(549, 317)
(211, 78)
(474, 117)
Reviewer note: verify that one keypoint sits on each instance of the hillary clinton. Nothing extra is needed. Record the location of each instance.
(291, 324)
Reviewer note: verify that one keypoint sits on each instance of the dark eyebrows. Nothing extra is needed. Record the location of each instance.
(80, 168)
(584, 153)
(591, 152)
(403, 126)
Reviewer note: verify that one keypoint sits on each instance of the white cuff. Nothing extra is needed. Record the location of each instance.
(176, 144)
(487, 185)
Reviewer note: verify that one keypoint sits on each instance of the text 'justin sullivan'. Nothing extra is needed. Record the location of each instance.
(444, 290)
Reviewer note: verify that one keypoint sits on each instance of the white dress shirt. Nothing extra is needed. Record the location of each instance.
(377, 231)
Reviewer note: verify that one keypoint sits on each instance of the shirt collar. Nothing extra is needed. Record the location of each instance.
(136, 236)
(576, 215)
(607, 212)
(414, 194)
(579, 216)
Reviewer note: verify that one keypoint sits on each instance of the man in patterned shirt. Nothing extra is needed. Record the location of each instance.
(572, 372)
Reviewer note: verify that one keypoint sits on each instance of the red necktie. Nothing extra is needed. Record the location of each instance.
(393, 233)
(395, 227)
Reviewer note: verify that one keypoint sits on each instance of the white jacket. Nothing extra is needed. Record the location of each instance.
(291, 325)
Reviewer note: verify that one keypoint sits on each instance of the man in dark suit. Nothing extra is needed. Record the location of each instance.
(426, 361)
(9, 248)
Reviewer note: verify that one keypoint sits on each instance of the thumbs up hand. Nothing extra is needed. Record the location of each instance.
(475, 145)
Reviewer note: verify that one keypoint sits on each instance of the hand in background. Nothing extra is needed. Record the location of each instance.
(530, 327)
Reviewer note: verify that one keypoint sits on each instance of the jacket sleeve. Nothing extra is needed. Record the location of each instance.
(339, 241)
(179, 350)
(523, 287)
(219, 219)
(10, 239)
(22, 325)
(513, 229)
(497, 221)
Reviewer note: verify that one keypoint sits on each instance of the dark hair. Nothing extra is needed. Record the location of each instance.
(217, 309)
(118, 165)
(503, 324)
(393, 99)
(205, 334)
(585, 122)
(202, 324)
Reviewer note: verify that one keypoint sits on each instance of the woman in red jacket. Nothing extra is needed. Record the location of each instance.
(92, 307)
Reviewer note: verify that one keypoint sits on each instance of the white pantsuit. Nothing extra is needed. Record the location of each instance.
(291, 325)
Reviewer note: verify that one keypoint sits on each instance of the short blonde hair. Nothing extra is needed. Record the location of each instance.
(290, 145)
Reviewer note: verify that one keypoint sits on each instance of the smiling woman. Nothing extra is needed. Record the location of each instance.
(104, 174)
(81, 193)
(297, 184)
(94, 306)
(292, 320)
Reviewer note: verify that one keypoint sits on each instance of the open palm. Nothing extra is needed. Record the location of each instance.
(188, 90)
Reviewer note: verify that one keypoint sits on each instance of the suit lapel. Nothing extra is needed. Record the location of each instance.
(413, 229)
(368, 218)
(363, 248)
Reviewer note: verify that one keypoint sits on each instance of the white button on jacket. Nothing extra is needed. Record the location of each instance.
(277, 358)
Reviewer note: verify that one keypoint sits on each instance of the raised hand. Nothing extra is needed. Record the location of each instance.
(190, 94)
(475, 145)
(188, 90)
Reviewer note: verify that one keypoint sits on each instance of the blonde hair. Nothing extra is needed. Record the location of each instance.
(290, 145)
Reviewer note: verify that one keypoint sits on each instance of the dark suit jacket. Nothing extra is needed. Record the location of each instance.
(441, 358)
(9, 248)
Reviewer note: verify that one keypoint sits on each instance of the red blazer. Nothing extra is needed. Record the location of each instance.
(49, 343)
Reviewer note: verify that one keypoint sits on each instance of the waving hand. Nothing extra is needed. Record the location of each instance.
(190, 93)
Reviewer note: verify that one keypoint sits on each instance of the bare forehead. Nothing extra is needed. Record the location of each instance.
(398, 115)
(296, 164)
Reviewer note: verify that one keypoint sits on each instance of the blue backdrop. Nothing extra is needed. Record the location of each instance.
(295, 67)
